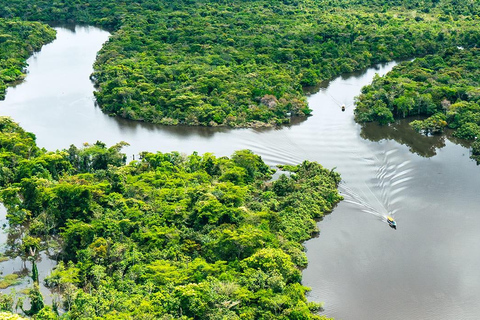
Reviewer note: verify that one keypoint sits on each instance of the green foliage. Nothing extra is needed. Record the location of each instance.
(444, 86)
(251, 59)
(36, 301)
(62, 276)
(469, 131)
(444, 83)
(15, 145)
(34, 272)
(18, 40)
(476, 150)
(463, 112)
(6, 302)
(10, 316)
(30, 246)
(5, 282)
(432, 125)
(169, 235)
(243, 63)
(96, 156)
(275, 262)
(46, 313)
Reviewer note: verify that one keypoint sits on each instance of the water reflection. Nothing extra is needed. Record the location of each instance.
(10, 239)
(129, 126)
(67, 26)
(182, 131)
(402, 132)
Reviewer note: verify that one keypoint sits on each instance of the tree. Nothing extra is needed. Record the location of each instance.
(36, 301)
(404, 105)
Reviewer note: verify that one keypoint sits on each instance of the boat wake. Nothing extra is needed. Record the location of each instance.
(382, 195)
(355, 198)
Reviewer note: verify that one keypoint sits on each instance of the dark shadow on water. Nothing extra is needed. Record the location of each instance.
(314, 89)
(401, 132)
(65, 25)
(344, 76)
(184, 131)
(179, 130)
(71, 26)
(464, 143)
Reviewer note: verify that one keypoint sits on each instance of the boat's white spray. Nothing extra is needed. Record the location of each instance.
(390, 180)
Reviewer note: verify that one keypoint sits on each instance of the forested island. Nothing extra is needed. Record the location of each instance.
(445, 87)
(168, 236)
(244, 63)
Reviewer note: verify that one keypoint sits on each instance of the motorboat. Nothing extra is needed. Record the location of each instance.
(391, 222)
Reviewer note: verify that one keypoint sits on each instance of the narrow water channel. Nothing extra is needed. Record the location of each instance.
(358, 266)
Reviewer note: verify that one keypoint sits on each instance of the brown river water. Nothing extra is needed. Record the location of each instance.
(359, 267)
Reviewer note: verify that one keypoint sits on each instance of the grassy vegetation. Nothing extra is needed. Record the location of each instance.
(9, 280)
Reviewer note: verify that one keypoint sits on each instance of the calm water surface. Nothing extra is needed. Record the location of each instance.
(358, 266)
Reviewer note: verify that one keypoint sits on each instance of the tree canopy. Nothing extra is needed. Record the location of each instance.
(18, 40)
(168, 236)
(445, 87)
(244, 63)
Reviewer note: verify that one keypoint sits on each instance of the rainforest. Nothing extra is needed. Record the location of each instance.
(18, 40)
(166, 236)
(244, 63)
(172, 235)
(444, 87)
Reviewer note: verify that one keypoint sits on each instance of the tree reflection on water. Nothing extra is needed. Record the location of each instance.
(401, 132)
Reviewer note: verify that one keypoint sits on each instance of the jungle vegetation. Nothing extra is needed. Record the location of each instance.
(18, 40)
(194, 236)
(169, 236)
(444, 87)
(244, 63)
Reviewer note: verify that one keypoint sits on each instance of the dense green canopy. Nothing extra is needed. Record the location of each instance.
(169, 236)
(243, 63)
(445, 87)
(199, 236)
(18, 40)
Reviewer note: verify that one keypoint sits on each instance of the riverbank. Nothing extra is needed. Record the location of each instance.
(18, 41)
(246, 62)
(198, 229)
(430, 197)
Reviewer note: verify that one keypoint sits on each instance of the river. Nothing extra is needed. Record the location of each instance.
(358, 266)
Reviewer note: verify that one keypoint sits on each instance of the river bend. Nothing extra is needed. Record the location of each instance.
(358, 266)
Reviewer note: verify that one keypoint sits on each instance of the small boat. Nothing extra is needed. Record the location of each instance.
(391, 222)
